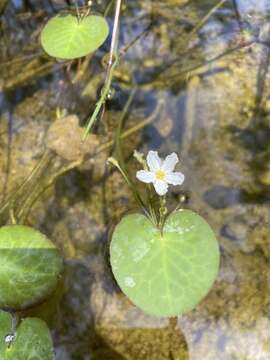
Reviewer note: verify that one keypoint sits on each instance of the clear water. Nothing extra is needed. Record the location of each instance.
(206, 97)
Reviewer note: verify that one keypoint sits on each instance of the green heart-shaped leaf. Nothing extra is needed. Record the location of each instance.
(31, 340)
(165, 274)
(30, 266)
(66, 37)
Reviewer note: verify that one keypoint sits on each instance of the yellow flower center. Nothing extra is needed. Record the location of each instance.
(160, 175)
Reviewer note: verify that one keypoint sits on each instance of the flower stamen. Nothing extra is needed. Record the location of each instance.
(160, 175)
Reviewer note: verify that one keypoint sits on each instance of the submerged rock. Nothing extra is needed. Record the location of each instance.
(65, 137)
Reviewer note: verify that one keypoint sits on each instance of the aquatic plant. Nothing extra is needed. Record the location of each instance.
(29, 339)
(30, 267)
(71, 36)
(30, 270)
(164, 262)
(68, 36)
(30, 264)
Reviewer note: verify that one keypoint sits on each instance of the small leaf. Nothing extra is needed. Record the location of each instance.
(5, 329)
(30, 267)
(67, 37)
(31, 340)
(169, 274)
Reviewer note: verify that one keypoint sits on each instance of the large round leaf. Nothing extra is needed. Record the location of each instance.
(165, 274)
(30, 266)
(67, 37)
(30, 341)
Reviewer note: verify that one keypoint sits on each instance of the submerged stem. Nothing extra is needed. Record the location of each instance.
(37, 194)
(39, 166)
(118, 149)
(137, 197)
(206, 17)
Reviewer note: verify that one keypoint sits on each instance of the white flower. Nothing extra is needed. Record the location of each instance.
(161, 172)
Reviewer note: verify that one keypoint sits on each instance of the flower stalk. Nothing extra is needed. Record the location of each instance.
(114, 162)
(158, 172)
(163, 211)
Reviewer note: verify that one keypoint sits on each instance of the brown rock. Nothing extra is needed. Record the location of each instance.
(65, 138)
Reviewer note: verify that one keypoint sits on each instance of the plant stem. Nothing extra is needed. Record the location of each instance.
(29, 193)
(12, 217)
(99, 104)
(113, 60)
(108, 8)
(114, 34)
(47, 157)
(132, 187)
(39, 166)
(118, 149)
(206, 17)
(162, 212)
(35, 196)
(151, 207)
(134, 128)
(77, 11)
(141, 159)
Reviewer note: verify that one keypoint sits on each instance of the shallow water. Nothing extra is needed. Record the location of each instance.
(206, 97)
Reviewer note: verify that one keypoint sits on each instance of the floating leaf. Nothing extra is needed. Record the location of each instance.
(5, 329)
(30, 267)
(67, 37)
(31, 340)
(169, 274)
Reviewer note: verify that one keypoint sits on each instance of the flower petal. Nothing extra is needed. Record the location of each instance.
(153, 161)
(175, 178)
(145, 176)
(161, 187)
(170, 162)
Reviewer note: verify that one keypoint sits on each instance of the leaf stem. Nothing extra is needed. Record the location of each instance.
(104, 93)
(114, 34)
(113, 60)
